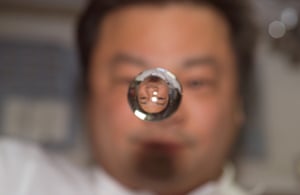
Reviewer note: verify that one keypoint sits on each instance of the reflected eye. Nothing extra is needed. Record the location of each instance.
(143, 100)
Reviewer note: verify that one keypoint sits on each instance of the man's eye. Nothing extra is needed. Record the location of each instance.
(197, 83)
(124, 80)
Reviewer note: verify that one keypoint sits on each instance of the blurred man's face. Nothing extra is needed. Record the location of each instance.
(189, 148)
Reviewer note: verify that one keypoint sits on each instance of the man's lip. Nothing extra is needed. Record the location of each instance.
(162, 146)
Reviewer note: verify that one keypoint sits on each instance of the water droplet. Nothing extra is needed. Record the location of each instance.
(289, 17)
(154, 94)
(277, 29)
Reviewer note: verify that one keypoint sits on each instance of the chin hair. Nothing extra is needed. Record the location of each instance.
(155, 165)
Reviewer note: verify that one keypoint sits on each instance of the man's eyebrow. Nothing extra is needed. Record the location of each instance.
(123, 58)
(200, 61)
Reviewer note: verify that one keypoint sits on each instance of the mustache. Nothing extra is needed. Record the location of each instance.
(162, 135)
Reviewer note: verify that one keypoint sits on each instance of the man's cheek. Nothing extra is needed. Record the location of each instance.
(210, 127)
(119, 117)
(208, 116)
(118, 107)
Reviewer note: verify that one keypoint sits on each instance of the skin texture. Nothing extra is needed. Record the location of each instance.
(185, 151)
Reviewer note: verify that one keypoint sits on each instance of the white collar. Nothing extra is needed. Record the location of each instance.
(225, 185)
(105, 184)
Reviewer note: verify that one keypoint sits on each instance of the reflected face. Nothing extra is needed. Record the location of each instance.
(189, 148)
(153, 95)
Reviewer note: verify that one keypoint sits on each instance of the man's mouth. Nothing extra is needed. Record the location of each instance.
(162, 146)
(168, 142)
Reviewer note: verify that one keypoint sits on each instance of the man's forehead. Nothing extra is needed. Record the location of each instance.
(179, 35)
(168, 10)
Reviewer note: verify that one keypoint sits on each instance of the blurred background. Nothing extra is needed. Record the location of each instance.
(40, 88)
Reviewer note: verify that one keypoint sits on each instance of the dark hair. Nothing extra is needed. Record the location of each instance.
(236, 12)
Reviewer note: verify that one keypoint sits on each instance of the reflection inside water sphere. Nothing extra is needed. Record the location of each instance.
(154, 95)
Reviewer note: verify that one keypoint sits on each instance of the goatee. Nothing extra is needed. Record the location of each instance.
(155, 162)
